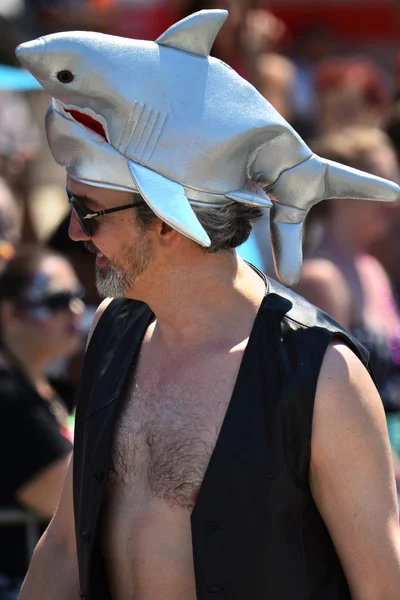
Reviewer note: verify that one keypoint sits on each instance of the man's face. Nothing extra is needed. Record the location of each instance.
(121, 244)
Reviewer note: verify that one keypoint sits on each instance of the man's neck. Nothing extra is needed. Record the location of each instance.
(208, 298)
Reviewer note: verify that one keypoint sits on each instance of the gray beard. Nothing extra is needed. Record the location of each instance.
(112, 283)
(115, 281)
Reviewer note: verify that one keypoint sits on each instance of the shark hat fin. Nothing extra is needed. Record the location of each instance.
(252, 194)
(196, 33)
(168, 201)
(287, 250)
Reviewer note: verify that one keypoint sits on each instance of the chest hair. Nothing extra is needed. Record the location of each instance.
(164, 438)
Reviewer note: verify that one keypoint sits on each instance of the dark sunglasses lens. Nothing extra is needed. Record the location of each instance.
(57, 302)
(87, 226)
(61, 301)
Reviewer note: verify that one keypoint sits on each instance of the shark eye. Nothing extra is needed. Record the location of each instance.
(65, 76)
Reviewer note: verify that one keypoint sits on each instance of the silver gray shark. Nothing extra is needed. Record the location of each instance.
(168, 120)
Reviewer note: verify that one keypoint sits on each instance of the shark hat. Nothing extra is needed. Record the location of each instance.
(180, 127)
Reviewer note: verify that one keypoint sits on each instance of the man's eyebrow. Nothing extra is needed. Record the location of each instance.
(84, 199)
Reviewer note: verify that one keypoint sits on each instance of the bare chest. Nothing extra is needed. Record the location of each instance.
(166, 432)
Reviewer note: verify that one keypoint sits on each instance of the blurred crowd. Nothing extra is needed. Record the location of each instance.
(338, 86)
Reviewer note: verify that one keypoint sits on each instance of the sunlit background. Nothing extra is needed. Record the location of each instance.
(331, 68)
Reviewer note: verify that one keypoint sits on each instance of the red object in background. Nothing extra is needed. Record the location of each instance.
(147, 22)
(141, 21)
(358, 20)
(359, 73)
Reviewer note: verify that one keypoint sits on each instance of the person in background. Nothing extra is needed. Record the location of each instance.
(310, 46)
(387, 250)
(275, 80)
(40, 308)
(392, 126)
(342, 277)
(351, 92)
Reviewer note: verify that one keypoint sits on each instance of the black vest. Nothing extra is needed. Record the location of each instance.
(257, 534)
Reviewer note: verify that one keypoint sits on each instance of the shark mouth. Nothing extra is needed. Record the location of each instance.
(84, 116)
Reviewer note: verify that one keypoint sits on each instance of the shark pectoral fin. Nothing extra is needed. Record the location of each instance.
(287, 251)
(168, 201)
(196, 33)
(286, 225)
(345, 182)
(252, 194)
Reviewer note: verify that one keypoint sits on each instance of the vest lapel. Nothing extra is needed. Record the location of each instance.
(123, 343)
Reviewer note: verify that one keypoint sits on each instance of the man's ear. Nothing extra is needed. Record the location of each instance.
(168, 237)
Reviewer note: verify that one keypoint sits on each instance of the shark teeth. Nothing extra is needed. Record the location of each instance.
(86, 117)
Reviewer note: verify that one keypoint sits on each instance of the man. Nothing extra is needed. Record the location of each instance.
(229, 440)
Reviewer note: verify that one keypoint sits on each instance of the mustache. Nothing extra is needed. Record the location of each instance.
(91, 247)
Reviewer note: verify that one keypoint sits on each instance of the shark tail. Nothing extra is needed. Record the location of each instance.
(344, 182)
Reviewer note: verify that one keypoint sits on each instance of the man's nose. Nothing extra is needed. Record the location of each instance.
(75, 230)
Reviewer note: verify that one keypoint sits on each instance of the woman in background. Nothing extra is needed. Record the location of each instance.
(40, 310)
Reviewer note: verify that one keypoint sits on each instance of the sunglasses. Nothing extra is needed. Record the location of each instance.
(53, 302)
(85, 217)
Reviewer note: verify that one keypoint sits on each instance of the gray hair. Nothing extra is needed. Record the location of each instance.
(228, 226)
